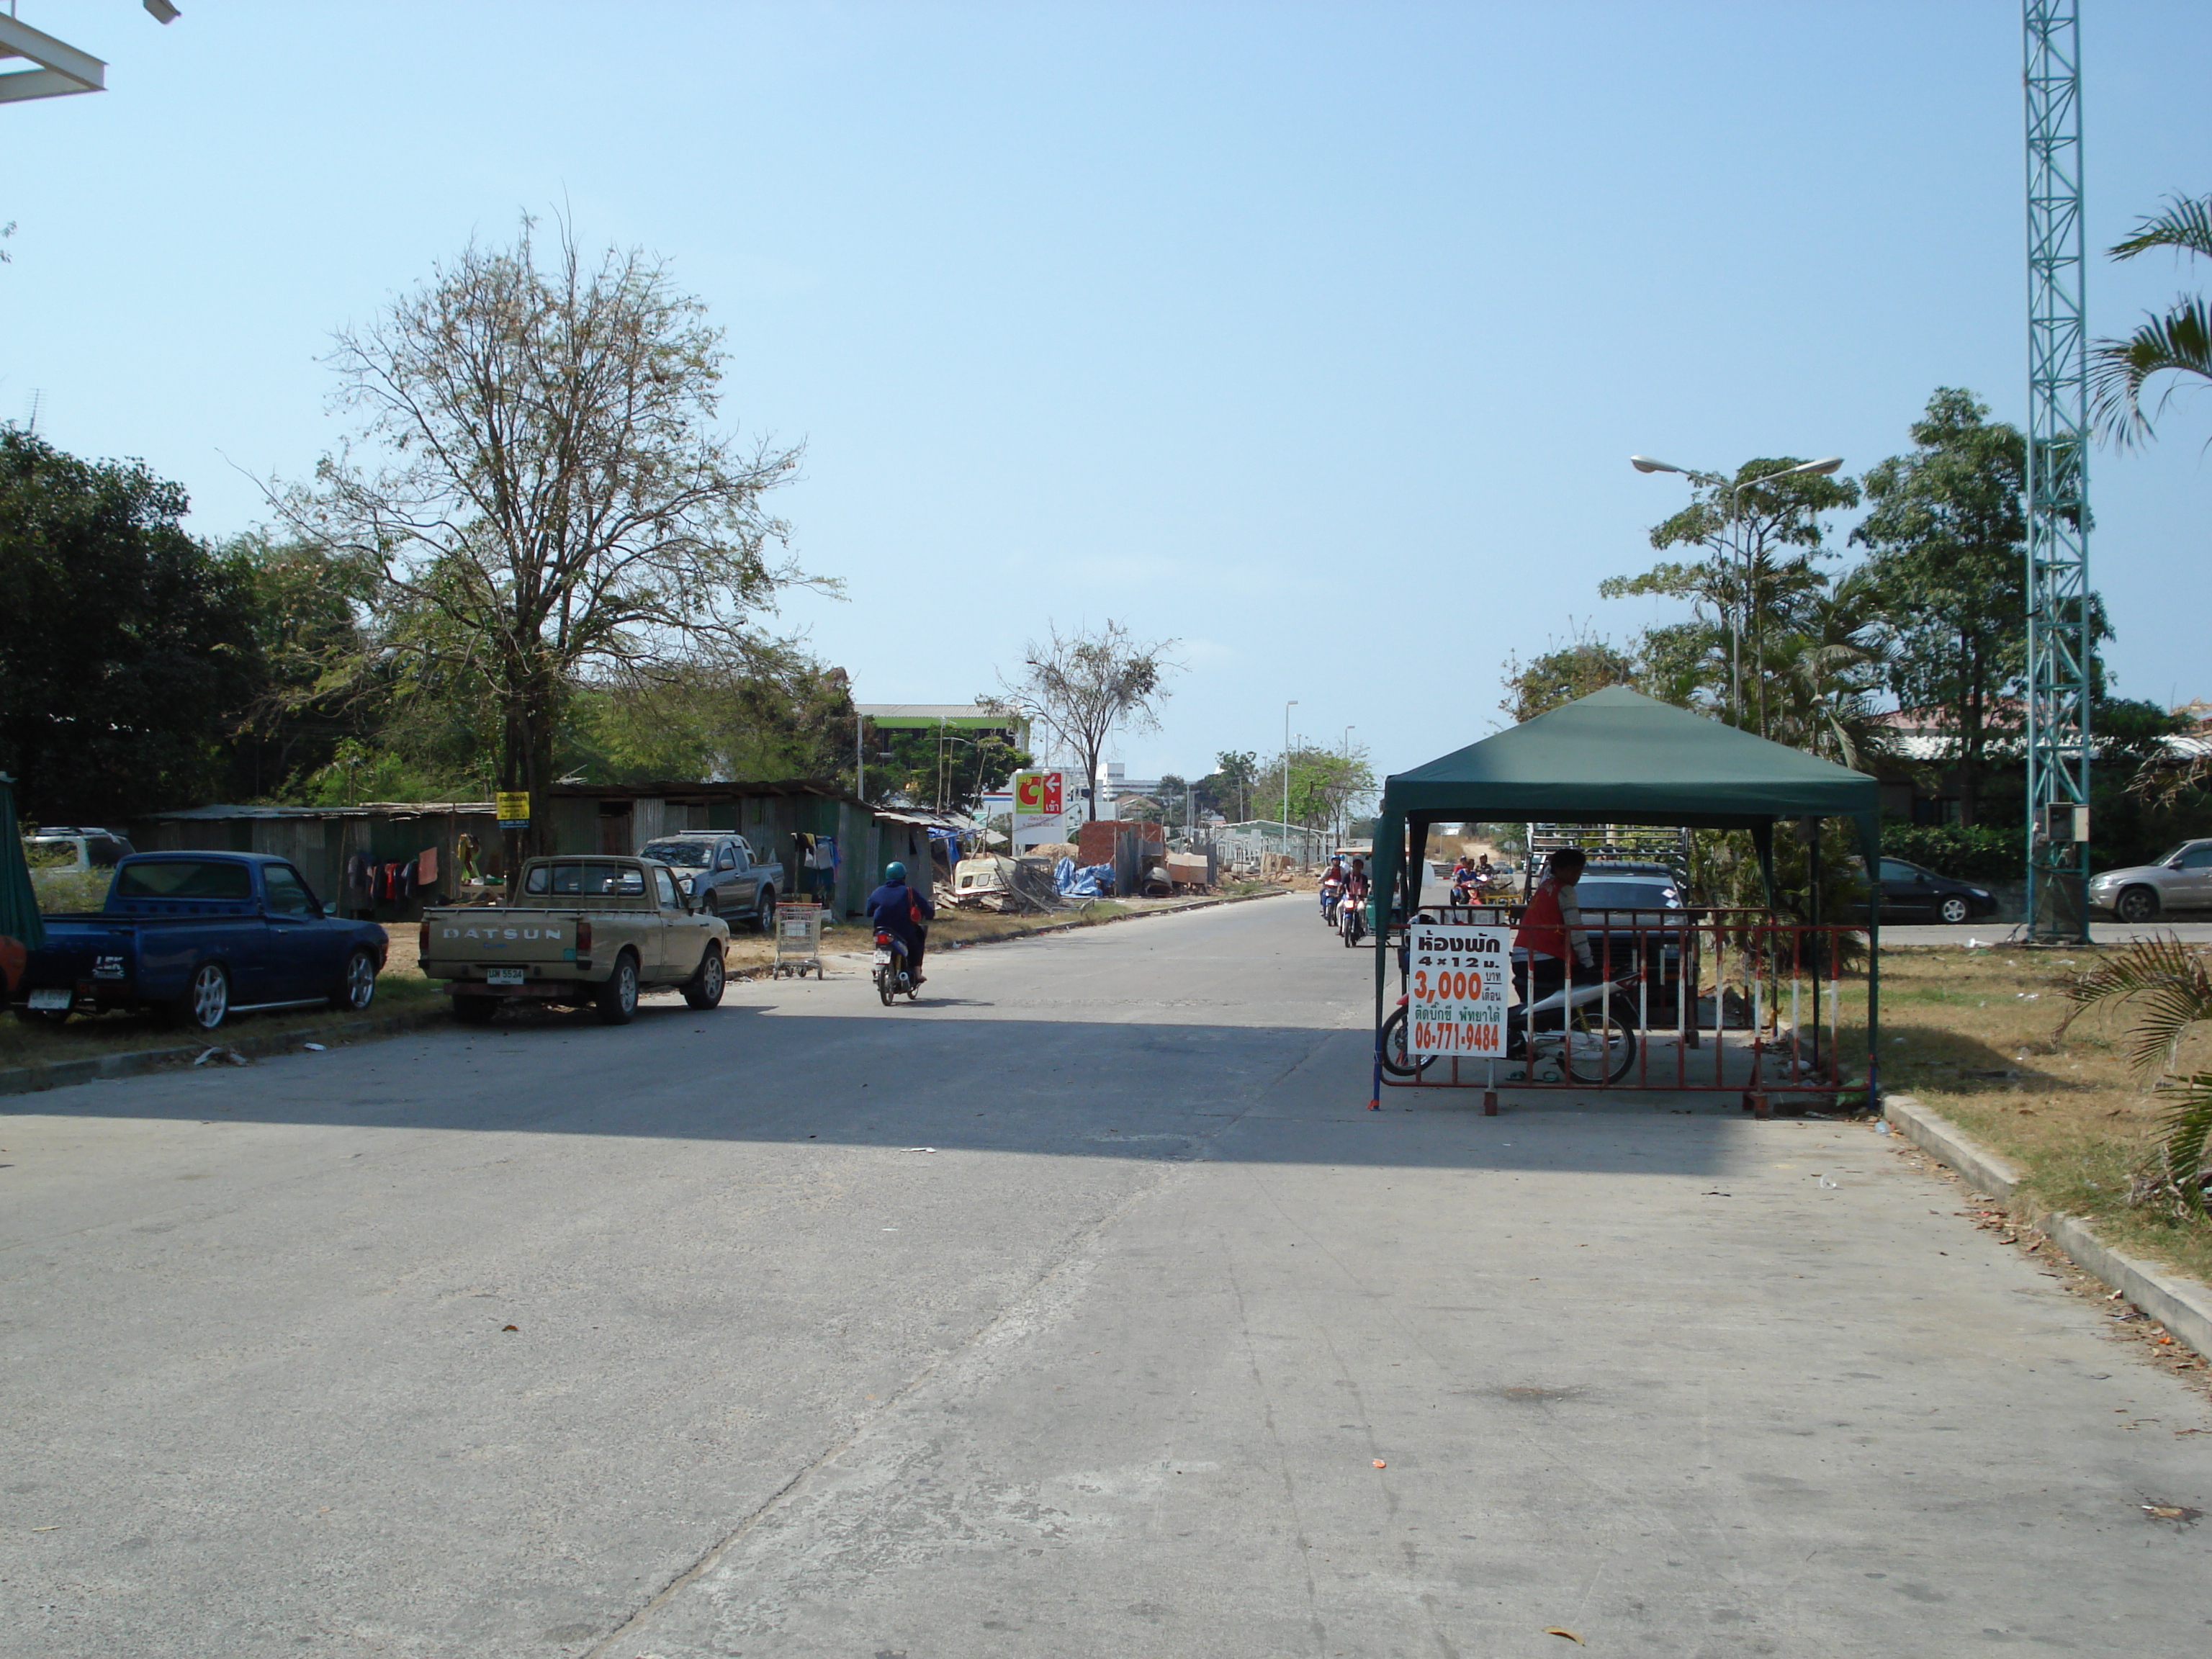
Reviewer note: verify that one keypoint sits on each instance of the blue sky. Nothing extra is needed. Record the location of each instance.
(1316, 336)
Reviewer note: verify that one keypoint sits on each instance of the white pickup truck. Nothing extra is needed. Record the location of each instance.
(584, 931)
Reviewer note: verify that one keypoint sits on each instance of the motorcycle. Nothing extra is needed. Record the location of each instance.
(1587, 1031)
(893, 975)
(1352, 920)
(1331, 890)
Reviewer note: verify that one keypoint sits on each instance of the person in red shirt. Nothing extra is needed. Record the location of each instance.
(1552, 931)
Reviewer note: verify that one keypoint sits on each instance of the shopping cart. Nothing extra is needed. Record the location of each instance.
(798, 941)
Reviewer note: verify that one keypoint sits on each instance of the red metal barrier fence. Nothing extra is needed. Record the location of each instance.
(1704, 999)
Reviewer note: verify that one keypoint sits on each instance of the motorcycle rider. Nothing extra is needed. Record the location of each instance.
(1552, 929)
(904, 913)
(1332, 884)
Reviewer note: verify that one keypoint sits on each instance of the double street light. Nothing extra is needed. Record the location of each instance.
(1734, 491)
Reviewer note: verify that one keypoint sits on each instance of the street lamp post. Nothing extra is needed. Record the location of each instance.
(1345, 814)
(1734, 492)
(1287, 706)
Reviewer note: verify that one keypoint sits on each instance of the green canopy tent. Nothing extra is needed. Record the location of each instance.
(19, 905)
(1617, 757)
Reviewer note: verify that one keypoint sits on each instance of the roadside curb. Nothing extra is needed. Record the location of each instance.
(67, 1073)
(2185, 1309)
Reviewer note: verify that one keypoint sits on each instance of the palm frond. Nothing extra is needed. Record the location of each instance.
(2171, 985)
(2180, 341)
(2185, 223)
(2188, 1126)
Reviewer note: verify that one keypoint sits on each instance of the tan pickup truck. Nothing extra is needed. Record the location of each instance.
(583, 930)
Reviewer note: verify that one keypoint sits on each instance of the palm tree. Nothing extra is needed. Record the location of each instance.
(2170, 987)
(2181, 340)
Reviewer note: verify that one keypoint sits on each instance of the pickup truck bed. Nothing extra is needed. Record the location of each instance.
(582, 930)
(203, 935)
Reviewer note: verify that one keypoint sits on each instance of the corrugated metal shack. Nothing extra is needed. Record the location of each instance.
(582, 817)
(321, 841)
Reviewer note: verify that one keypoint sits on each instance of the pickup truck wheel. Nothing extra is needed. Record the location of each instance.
(356, 987)
(206, 999)
(704, 989)
(764, 916)
(712, 906)
(617, 1001)
(475, 1011)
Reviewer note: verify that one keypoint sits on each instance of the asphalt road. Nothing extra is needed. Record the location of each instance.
(1108, 1371)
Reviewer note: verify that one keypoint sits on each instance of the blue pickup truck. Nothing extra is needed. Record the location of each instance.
(201, 936)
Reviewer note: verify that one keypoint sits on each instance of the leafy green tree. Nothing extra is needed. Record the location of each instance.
(1327, 786)
(128, 651)
(2180, 343)
(951, 771)
(1948, 546)
(1561, 674)
(1762, 541)
(1228, 789)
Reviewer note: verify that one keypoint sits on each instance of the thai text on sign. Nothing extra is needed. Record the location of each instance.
(1456, 989)
(1039, 801)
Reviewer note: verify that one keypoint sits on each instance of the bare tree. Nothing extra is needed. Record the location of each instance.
(1083, 687)
(546, 499)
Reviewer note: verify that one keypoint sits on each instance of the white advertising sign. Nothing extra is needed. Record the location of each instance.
(1458, 984)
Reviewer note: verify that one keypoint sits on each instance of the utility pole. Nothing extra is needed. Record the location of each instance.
(2058, 637)
(1287, 706)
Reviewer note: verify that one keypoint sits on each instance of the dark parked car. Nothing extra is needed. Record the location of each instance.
(203, 935)
(1909, 893)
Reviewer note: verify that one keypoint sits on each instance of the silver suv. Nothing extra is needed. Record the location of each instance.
(2182, 880)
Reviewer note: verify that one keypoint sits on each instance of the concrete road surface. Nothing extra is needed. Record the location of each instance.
(1081, 1310)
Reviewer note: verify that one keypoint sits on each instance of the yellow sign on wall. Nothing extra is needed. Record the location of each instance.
(514, 808)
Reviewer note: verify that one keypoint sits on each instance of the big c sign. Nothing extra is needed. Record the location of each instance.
(1038, 801)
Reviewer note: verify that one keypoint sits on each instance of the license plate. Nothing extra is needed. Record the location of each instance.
(883, 958)
(503, 975)
(52, 1000)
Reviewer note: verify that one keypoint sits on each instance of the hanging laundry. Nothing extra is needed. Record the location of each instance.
(464, 859)
(426, 867)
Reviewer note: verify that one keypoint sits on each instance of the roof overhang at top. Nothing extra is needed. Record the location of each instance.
(61, 69)
(369, 808)
(694, 792)
(968, 716)
(1617, 757)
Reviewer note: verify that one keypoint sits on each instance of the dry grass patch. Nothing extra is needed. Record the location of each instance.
(1972, 1033)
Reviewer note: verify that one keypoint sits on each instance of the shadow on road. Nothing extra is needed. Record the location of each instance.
(922, 1076)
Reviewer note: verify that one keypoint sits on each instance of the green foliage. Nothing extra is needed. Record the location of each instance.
(1949, 564)
(2181, 342)
(1557, 676)
(1327, 786)
(1228, 789)
(951, 771)
(2168, 985)
(126, 648)
(1986, 852)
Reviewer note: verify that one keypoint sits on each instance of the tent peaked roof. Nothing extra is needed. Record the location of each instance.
(1618, 756)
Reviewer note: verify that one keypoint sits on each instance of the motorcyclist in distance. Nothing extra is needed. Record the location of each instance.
(904, 913)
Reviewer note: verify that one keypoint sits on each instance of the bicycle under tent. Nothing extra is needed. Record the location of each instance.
(1757, 994)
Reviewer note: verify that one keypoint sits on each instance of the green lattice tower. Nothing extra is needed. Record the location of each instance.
(2059, 642)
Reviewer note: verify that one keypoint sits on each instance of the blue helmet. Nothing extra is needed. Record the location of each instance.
(894, 871)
